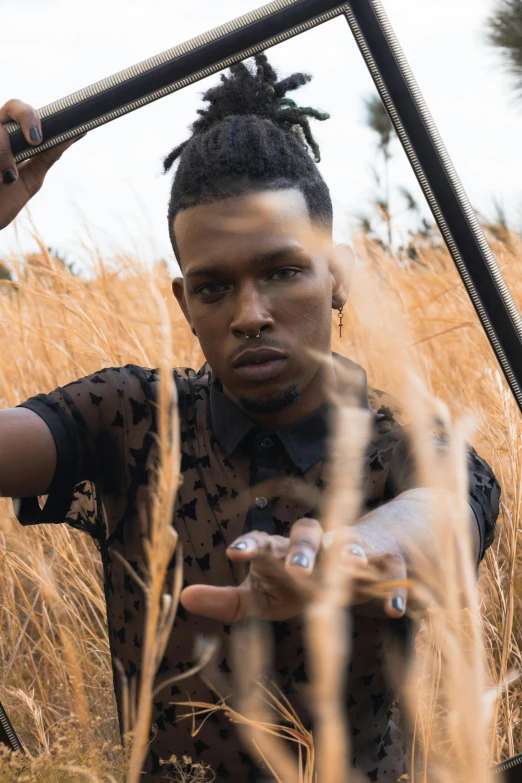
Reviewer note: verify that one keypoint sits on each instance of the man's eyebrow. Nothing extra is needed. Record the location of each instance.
(277, 255)
(257, 260)
(204, 271)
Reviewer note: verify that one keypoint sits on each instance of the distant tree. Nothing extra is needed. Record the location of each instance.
(504, 30)
(5, 273)
(378, 121)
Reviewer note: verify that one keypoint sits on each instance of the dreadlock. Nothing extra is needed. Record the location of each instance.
(250, 137)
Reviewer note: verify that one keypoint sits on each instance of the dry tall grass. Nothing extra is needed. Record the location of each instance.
(54, 656)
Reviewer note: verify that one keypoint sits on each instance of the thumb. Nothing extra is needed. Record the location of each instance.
(226, 604)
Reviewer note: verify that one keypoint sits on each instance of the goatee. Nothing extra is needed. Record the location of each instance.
(280, 402)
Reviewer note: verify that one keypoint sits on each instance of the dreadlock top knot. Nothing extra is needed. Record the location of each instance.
(256, 93)
(250, 136)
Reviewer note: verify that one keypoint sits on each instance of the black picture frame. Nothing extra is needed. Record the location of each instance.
(271, 24)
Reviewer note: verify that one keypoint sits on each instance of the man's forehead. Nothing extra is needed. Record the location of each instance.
(244, 226)
(250, 215)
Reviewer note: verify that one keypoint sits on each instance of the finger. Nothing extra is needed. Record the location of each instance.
(343, 538)
(392, 568)
(306, 536)
(257, 544)
(26, 117)
(354, 550)
(354, 564)
(8, 169)
(225, 604)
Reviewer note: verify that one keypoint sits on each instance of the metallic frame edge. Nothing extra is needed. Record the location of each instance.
(436, 208)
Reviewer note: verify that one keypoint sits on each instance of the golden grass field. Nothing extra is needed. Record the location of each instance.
(55, 675)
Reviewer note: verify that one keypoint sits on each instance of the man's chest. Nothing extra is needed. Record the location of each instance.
(221, 497)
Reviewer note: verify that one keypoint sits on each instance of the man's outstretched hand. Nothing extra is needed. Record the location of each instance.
(18, 184)
(283, 576)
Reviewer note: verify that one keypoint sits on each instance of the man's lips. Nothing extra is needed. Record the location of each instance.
(260, 364)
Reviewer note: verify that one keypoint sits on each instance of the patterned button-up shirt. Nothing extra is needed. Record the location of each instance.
(104, 427)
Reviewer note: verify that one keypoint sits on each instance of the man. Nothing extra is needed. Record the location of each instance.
(245, 194)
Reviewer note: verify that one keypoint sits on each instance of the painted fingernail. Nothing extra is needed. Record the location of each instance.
(9, 177)
(300, 560)
(398, 603)
(241, 545)
(34, 134)
(357, 550)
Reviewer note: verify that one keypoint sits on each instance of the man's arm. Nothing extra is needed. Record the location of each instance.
(276, 589)
(89, 430)
(27, 448)
(27, 454)
(483, 489)
(406, 518)
(404, 526)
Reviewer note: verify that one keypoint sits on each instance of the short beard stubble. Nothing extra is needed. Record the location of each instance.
(288, 397)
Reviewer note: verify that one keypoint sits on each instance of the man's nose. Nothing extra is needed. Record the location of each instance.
(252, 314)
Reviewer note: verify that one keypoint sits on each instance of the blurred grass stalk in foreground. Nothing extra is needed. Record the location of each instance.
(413, 329)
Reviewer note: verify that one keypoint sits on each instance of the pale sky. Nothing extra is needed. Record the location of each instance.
(111, 184)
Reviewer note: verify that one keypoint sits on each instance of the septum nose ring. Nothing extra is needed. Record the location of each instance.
(248, 336)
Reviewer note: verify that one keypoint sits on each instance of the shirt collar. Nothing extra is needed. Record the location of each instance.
(305, 441)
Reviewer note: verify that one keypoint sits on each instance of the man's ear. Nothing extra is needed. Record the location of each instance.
(179, 292)
(342, 262)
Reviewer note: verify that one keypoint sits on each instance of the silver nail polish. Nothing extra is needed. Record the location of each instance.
(398, 603)
(241, 545)
(300, 560)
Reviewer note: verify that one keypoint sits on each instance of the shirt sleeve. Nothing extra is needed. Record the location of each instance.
(95, 422)
(483, 487)
(484, 498)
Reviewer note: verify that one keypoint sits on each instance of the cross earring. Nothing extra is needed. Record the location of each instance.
(341, 321)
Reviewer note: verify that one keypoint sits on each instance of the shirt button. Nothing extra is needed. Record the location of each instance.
(261, 502)
(267, 443)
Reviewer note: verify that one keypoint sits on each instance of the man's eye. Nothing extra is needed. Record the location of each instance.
(284, 274)
(211, 289)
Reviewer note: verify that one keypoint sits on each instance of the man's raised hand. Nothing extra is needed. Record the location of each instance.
(18, 184)
(283, 576)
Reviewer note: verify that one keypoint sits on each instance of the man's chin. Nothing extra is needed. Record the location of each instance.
(274, 403)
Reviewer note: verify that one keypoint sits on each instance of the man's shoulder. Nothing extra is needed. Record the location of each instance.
(385, 405)
(129, 391)
(185, 378)
(143, 375)
(388, 410)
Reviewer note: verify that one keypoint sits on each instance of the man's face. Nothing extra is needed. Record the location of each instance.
(252, 265)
